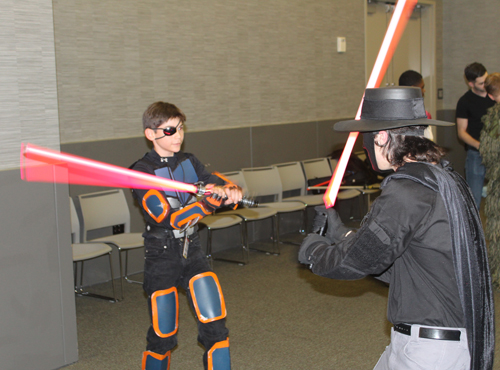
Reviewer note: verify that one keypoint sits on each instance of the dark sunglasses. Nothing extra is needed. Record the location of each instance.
(170, 130)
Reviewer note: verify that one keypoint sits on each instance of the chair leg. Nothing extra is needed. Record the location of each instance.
(126, 271)
(243, 242)
(274, 237)
(83, 293)
(75, 277)
(112, 277)
(276, 224)
(304, 222)
(212, 258)
(121, 270)
(209, 247)
(81, 276)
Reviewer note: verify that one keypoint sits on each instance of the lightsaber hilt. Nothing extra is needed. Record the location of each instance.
(201, 189)
(248, 202)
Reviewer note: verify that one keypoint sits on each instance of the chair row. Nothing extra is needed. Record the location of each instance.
(280, 188)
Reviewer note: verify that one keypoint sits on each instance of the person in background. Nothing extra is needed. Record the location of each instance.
(422, 235)
(413, 79)
(471, 107)
(489, 148)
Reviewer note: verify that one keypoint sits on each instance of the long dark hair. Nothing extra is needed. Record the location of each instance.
(408, 143)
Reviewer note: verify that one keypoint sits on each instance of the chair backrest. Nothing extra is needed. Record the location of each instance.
(238, 178)
(317, 168)
(104, 209)
(264, 183)
(75, 222)
(292, 178)
(333, 163)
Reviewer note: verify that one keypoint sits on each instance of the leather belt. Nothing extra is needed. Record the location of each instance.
(153, 229)
(178, 234)
(430, 333)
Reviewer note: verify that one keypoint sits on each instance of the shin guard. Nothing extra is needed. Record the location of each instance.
(207, 297)
(218, 357)
(165, 312)
(154, 361)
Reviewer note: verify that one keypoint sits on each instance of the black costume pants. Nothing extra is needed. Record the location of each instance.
(165, 268)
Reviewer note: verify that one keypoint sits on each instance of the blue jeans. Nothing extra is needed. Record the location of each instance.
(474, 174)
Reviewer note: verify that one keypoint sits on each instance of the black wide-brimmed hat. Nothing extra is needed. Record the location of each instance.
(388, 108)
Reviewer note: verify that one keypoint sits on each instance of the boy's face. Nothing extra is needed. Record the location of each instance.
(164, 144)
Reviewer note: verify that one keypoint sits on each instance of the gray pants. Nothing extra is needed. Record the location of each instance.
(409, 352)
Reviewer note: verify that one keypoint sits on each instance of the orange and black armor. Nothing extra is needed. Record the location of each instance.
(171, 225)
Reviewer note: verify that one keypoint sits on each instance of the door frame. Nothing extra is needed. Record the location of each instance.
(428, 51)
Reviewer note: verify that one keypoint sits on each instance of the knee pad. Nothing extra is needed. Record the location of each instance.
(165, 312)
(207, 297)
(218, 356)
(154, 361)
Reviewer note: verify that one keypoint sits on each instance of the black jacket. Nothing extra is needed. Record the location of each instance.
(423, 235)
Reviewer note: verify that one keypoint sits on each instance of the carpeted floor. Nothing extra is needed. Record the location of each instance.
(280, 316)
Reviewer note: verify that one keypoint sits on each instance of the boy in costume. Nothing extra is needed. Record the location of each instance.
(173, 254)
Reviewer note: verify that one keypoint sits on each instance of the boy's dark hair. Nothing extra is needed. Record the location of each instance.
(473, 71)
(410, 78)
(402, 145)
(160, 112)
(492, 84)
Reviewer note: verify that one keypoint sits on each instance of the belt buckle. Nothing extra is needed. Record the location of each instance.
(440, 334)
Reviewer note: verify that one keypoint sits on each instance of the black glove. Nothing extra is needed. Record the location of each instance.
(319, 223)
(309, 245)
(212, 202)
(336, 230)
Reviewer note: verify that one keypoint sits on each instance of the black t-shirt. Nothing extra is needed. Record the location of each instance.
(473, 107)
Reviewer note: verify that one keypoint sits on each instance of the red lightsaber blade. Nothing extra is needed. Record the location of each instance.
(402, 13)
(45, 165)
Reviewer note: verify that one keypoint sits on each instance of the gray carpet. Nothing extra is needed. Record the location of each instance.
(280, 316)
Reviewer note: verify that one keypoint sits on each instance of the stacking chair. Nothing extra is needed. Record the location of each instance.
(317, 169)
(86, 251)
(264, 183)
(252, 215)
(105, 210)
(218, 222)
(321, 168)
(372, 189)
(365, 190)
(294, 185)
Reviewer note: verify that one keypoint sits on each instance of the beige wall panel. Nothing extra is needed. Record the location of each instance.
(226, 64)
(470, 34)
